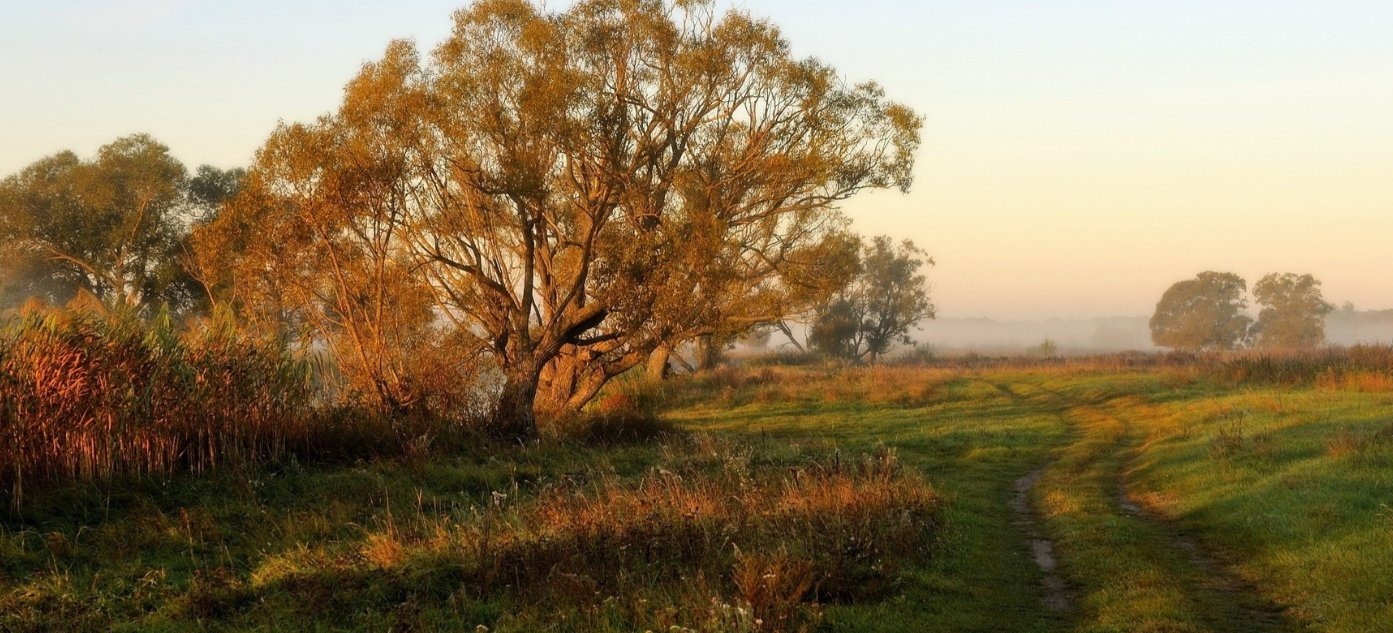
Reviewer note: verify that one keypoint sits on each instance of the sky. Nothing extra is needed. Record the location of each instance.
(1078, 156)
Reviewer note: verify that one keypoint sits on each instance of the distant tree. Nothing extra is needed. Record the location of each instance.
(831, 268)
(884, 301)
(837, 330)
(1204, 313)
(1047, 349)
(1293, 312)
(210, 187)
(113, 226)
(210, 191)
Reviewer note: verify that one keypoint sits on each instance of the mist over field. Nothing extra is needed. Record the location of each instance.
(951, 335)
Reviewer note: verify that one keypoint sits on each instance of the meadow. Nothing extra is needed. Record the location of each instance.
(1122, 494)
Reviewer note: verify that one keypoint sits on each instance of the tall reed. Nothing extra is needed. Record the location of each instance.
(86, 395)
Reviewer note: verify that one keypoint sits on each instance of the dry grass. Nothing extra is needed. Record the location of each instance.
(738, 549)
(900, 385)
(1356, 380)
(1360, 368)
(87, 395)
(1350, 442)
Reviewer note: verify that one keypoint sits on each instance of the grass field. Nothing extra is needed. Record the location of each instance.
(787, 499)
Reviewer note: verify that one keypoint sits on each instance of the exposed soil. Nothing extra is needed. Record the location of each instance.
(1056, 594)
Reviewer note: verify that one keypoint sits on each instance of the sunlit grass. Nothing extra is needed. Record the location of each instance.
(695, 532)
(968, 438)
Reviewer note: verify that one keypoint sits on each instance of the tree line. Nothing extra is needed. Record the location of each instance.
(559, 196)
(1209, 313)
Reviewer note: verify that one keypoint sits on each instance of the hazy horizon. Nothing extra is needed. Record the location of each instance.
(1078, 158)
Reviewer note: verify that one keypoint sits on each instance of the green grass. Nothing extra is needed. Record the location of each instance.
(1248, 497)
(1294, 485)
(1130, 572)
(1285, 491)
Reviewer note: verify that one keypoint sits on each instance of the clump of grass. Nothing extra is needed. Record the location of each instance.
(1352, 443)
(776, 587)
(856, 518)
(1230, 438)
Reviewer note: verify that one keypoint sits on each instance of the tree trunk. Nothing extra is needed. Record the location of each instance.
(709, 350)
(587, 387)
(658, 363)
(788, 333)
(516, 418)
(557, 385)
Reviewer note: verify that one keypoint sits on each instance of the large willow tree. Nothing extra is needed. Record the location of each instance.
(578, 189)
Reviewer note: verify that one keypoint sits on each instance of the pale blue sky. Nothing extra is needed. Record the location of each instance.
(1078, 155)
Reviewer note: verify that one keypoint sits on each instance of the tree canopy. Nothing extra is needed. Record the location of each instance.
(1204, 313)
(572, 190)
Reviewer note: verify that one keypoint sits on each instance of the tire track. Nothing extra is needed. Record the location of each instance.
(1231, 603)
